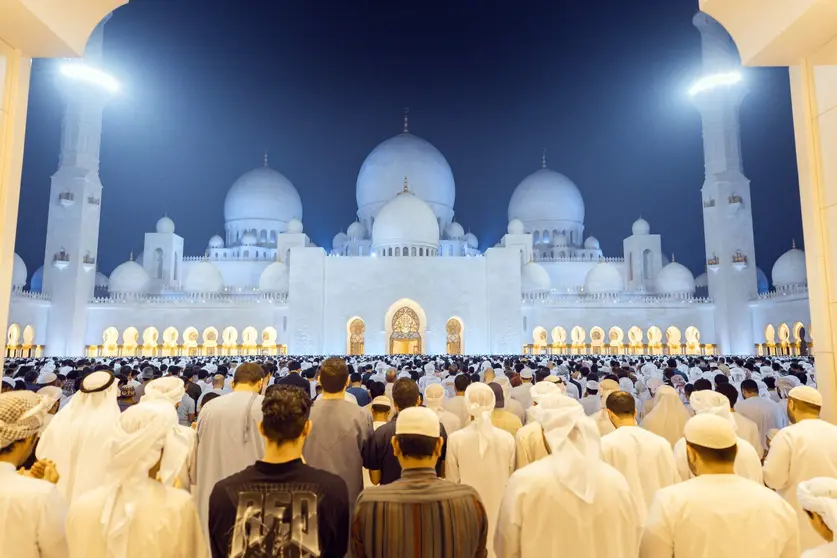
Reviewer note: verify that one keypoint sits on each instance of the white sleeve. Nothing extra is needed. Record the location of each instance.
(192, 541)
(507, 531)
(681, 460)
(452, 460)
(657, 538)
(52, 540)
(777, 463)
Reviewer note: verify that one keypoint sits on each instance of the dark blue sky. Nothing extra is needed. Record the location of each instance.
(209, 85)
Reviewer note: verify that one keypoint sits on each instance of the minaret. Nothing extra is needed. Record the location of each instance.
(727, 208)
(74, 207)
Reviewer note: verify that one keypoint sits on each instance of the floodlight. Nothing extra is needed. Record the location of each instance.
(713, 81)
(89, 74)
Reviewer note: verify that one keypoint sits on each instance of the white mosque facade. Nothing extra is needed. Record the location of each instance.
(406, 277)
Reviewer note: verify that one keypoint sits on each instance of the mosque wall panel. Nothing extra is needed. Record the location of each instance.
(306, 301)
(503, 287)
(31, 312)
(778, 311)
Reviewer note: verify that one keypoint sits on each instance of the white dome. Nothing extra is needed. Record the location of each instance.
(675, 278)
(603, 278)
(339, 239)
(249, 239)
(640, 227)
(559, 239)
(129, 278)
(592, 243)
(472, 240)
(407, 155)
(101, 280)
(546, 195)
(294, 226)
(216, 242)
(455, 231)
(406, 220)
(356, 231)
(790, 269)
(516, 227)
(275, 278)
(262, 193)
(702, 281)
(19, 273)
(165, 225)
(204, 277)
(534, 278)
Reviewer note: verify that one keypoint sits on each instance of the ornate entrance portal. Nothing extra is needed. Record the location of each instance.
(405, 338)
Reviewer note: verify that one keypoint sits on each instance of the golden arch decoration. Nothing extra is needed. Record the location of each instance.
(170, 335)
(673, 335)
(13, 335)
(454, 336)
(150, 336)
(210, 337)
(190, 337)
(692, 335)
(110, 336)
(784, 333)
(269, 337)
(130, 337)
(229, 336)
(559, 335)
(28, 336)
(539, 335)
(635, 335)
(770, 334)
(405, 338)
(249, 336)
(655, 335)
(357, 336)
(578, 335)
(797, 330)
(615, 335)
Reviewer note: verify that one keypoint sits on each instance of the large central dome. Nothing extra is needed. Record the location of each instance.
(384, 170)
(262, 194)
(549, 203)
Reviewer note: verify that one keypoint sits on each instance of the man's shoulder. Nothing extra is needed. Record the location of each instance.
(438, 489)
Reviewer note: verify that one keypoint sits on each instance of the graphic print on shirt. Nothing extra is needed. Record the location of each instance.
(276, 520)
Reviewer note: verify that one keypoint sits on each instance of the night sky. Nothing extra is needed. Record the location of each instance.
(208, 86)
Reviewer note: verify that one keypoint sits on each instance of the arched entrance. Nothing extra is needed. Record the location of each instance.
(454, 336)
(405, 338)
(357, 336)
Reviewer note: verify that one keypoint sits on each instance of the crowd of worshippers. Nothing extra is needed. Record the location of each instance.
(416, 456)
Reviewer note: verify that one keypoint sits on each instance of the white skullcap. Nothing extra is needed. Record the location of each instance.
(526, 374)
(710, 431)
(434, 394)
(542, 389)
(46, 377)
(819, 495)
(403, 374)
(418, 420)
(806, 394)
(382, 400)
(592, 385)
(480, 401)
(170, 388)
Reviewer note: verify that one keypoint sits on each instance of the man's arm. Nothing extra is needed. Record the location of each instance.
(358, 548)
(371, 461)
(333, 512)
(777, 463)
(657, 538)
(507, 531)
(51, 538)
(221, 522)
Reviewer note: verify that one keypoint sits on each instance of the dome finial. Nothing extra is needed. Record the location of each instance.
(406, 189)
(265, 157)
(793, 244)
(543, 158)
(131, 256)
(406, 120)
(672, 257)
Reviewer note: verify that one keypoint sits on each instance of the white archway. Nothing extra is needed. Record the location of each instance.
(405, 329)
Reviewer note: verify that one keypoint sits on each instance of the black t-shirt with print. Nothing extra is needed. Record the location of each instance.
(279, 509)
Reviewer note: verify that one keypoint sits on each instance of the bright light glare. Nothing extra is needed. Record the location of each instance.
(717, 80)
(91, 75)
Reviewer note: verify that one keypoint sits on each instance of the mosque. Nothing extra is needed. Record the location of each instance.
(405, 277)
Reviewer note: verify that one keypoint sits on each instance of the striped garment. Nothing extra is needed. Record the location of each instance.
(419, 516)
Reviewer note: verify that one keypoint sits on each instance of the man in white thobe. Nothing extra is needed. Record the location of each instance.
(744, 427)
(762, 410)
(606, 387)
(521, 393)
(644, 458)
(74, 438)
(668, 416)
(591, 402)
(747, 462)
(804, 450)
(133, 514)
(31, 507)
(570, 503)
(717, 514)
(529, 440)
(481, 455)
(434, 396)
(228, 434)
(456, 404)
(818, 497)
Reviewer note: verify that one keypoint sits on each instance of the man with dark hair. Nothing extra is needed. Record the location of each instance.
(744, 427)
(340, 428)
(378, 455)
(294, 378)
(457, 405)
(418, 515)
(644, 458)
(703, 384)
(765, 413)
(357, 389)
(228, 439)
(280, 506)
(718, 501)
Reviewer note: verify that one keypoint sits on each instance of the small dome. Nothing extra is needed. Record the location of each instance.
(675, 278)
(546, 195)
(472, 240)
(165, 225)
(339, 240)
(294, 226)
(640, 227)
(275, 278)
(406, 220)
(455, 231)
(790, 269)
(262, 194)
(37, 282)
(249, 239)
(102, 280)
(516, 227)
(129, 278)
(603, 278)
(19, 273)
(203, 277)
(761, 281)
(702, 281)
(534, 278)
(356, 231)
(592, 243)
(216, 242)
(560, 239)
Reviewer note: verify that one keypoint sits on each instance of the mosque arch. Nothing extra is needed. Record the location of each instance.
(210, 340)
(130, 337)
(578, 335)
(797, 331)
(13, 335)
(655, 340)
(454, 330)
(539, 335)
(269, 338)
(692, 340)
(355, 336)
(784, 333)
(249, 336)
(615, 339)
(559, 335)
(190, 337)
(646, 264)
(635, 336)
(770, 334)
(597, 338)
(158, 263)
(28, 336)
(673, 340)
(110, 336)
(229, 336)
(406, 324)
(150, 335)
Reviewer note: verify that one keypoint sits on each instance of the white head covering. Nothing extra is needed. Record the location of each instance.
(434, 395)
(785, 384)
(819, 495)
(712, 402)
(74, 439)
(479, 400)
(606, 387)
(574, 441)
(135, 447)
(542, 389)
(668, 417)
(503, 381)
(625, 384)
(181, 439)
(170, 388)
